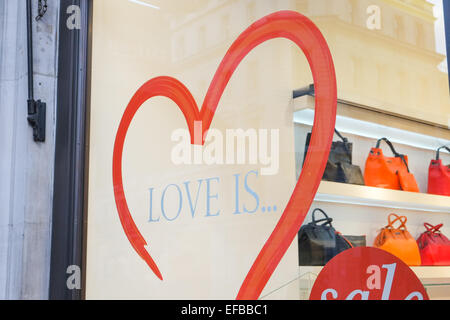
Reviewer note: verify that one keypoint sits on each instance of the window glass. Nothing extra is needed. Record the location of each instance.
(199, 216)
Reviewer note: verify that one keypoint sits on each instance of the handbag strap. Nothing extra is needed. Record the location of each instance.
(439, 150)
(341, 136)
(433, 229)
(345, 239)
(402, 220)
(396, 154)
(327, 219)
(344, 139)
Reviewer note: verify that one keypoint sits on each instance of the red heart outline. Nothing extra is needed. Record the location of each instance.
(283, 24)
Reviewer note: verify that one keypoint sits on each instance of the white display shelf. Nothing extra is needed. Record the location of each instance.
(343, 193)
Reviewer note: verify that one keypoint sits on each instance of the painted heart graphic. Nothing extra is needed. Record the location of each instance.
(282, 24)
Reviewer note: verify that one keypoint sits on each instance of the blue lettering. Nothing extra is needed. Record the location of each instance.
(151, 206)
(236, 211)
(193, 209)
(179, 205)
(209, 197)
(253, 193)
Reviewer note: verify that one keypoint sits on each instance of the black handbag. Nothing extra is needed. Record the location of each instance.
(319, 243)
(339, 166)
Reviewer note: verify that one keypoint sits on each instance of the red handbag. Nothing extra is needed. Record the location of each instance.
(439, 176)
(434, 247)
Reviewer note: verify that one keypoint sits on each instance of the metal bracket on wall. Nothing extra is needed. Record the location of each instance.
(36, 109)
(309, 90)
(42, 9)
(36, 119)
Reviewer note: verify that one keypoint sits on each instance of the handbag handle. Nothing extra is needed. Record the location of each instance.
(340, 136)
(402, 220)
(396, 154)
(433, 229)
(344, 139)
(327, 219)
(438, 151)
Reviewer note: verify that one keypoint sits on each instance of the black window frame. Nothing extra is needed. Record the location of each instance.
(71, 152)
(72, 148)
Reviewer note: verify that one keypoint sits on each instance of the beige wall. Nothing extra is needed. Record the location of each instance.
(394, 69)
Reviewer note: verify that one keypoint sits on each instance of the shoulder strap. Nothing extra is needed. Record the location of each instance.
(340, 136)
(345, 140)
(439, 150)
(396, 154)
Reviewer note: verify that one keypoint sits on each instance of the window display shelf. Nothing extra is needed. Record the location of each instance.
(334, 192)
(433, 276)
(429, 274)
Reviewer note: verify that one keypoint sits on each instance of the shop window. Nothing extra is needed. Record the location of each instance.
(205, 219)
(399, 27)
(420, 35)
(226, 27)
(251, 10)
(180, 47)
(356, 72)
(253, 70)
(355, 11)
(381, 84)
(202, 38)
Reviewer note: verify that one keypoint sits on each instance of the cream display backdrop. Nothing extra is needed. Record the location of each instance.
(395, 68)
(203, 245)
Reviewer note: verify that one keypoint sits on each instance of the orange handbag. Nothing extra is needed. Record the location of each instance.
(399, 242)
(389, 172)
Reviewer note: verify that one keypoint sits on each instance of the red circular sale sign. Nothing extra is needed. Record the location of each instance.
(366, 273)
